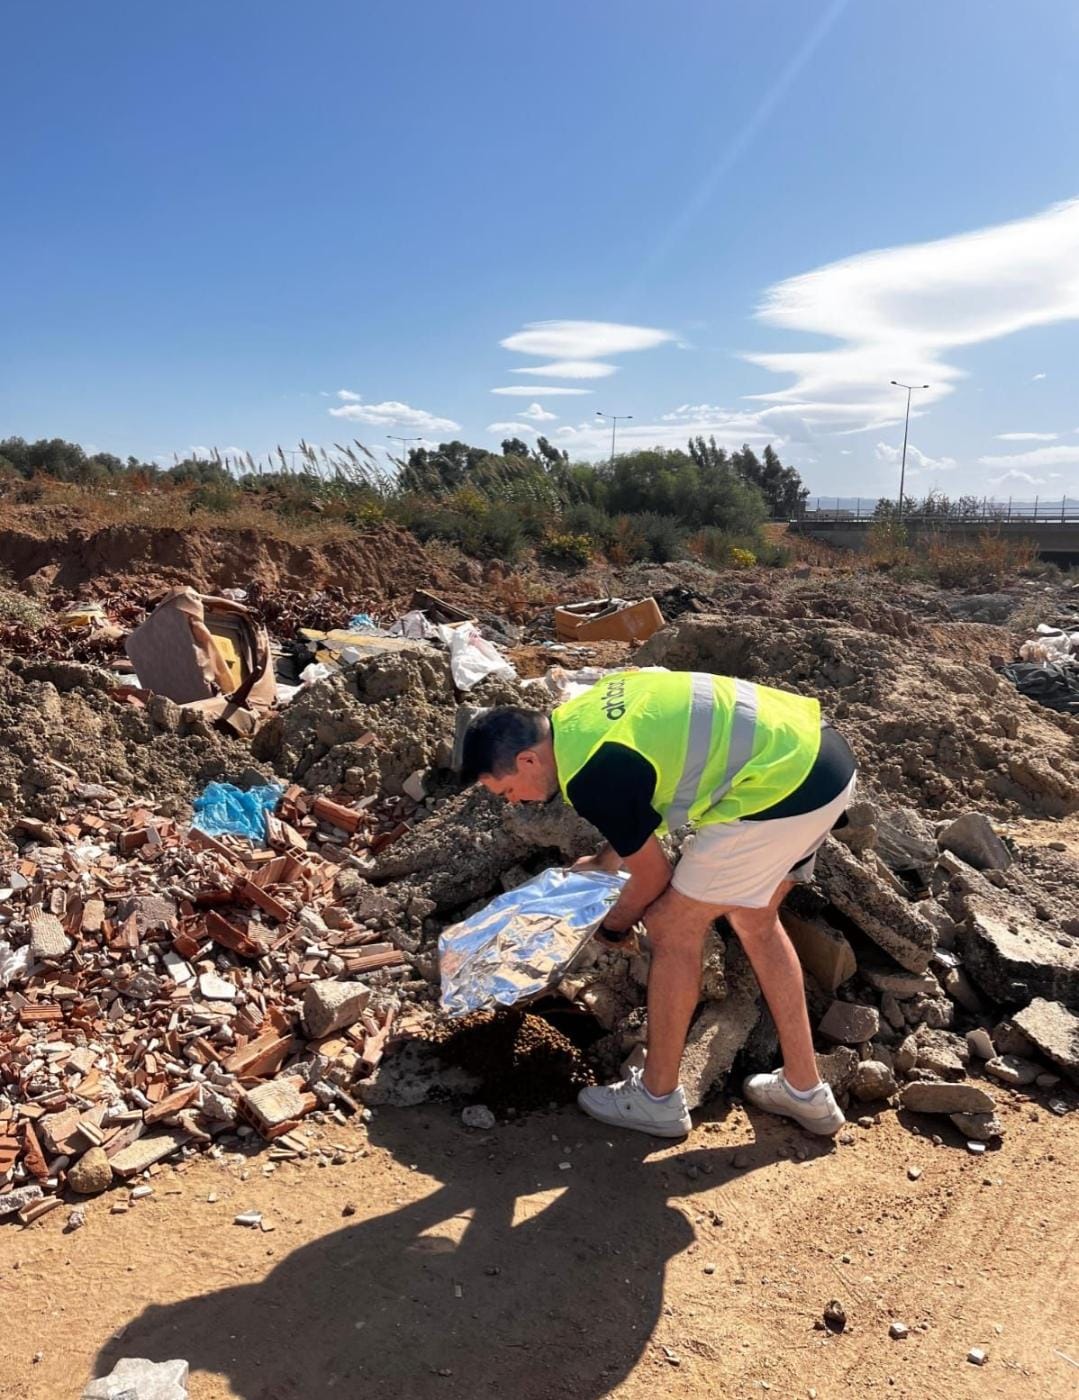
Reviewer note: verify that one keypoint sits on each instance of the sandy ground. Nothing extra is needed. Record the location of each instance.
(476, 1264)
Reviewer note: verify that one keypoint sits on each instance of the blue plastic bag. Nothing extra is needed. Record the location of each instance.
(222, 807)
(364, 622)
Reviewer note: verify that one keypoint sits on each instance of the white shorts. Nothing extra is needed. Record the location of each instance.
(743, 863)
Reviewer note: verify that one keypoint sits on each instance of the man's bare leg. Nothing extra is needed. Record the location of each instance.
(779, 973)
(677, 930)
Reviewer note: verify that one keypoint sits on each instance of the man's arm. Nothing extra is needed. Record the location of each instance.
(649, 875)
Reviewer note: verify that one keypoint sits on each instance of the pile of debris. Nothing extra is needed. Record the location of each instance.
(162, 986)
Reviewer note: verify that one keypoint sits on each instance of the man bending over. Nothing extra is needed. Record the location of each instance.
(761, 780)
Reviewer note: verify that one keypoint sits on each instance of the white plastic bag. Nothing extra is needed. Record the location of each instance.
(472, 657)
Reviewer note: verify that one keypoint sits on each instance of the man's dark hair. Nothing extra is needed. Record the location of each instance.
(494, 739)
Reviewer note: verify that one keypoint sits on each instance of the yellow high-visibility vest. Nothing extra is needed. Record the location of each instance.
(721, 748)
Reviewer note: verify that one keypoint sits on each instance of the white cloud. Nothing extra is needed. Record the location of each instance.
(592, 439)
(571, 369)
(510, 429)
(1027, 437)
(524, 391)
(538, 414)
(583, 340)
(897, 312)
(1014, 478)
(1042, 375)
(917, 460)
(202, 453)
(1065, 455)
(389, 414)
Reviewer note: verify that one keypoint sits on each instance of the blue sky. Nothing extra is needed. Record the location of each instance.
(245, 224)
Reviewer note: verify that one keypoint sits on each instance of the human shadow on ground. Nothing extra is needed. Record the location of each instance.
(513, 1278)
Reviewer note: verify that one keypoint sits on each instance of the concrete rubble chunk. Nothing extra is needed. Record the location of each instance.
(971, 837)
(873, 1080)
(215, 988)
(135, 1378)
(981, 1127)
(55, 1129)
(333, 1006)
(48, 941)
(884, 916)
(269, 1106)
(1012, 1070)
(939, 1096)
(962, 991)
(13, 1201)
(151, 912)
(1013, 960)
(1054, 1030)
(147, 1150)
(91, 1174)
(178, 968)
(905, 840)
(901, 983)
(940, 1052)
(823, 950)
(1008, 1039)
(720, 1031)
(838, 1068)
(848, 1023)
(980, 1043)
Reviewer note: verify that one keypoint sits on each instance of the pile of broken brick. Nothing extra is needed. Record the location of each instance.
(163, 986)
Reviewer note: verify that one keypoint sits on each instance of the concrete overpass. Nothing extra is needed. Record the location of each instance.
(1056, 539)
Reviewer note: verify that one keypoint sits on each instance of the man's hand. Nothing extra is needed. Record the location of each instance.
(607, 860)
(613, 938)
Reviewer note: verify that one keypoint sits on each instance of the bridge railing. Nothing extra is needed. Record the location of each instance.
(863, 512)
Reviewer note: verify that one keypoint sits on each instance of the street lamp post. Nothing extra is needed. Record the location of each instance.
(615, 418)
(906, 427)
(404, 441)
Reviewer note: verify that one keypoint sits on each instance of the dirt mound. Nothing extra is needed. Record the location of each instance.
(58, 727)
(406, 700)
(379, 568)
(519, 1059)
(943, 733)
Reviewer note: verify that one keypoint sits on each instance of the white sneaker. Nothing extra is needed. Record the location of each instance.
(627, 1104)
(819, 1113)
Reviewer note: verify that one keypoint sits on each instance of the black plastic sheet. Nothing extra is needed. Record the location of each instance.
(1055, 687)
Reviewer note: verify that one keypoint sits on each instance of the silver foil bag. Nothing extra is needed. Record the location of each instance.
(524, 940)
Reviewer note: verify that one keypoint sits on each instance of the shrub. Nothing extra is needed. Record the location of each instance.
(495, 534)
(501, 533)
(987, 564)
(587, 519)
(726, 551)
(664, 538)
(17, 607)
(364, 515)
(217, 497)
(570, 549)
(887, 544)
(627, 544)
